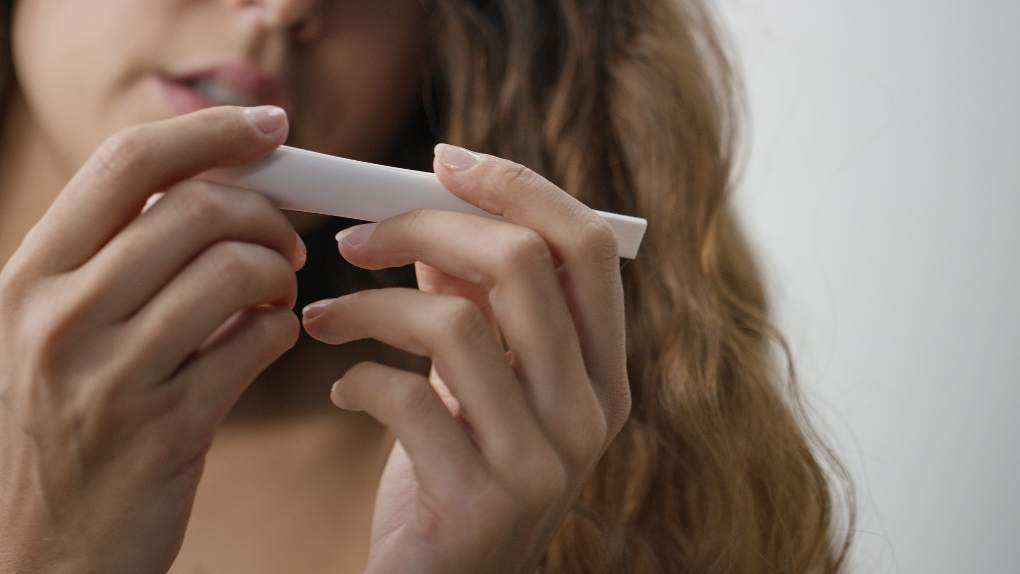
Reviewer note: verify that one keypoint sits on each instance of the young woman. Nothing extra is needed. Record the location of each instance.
(554, 409)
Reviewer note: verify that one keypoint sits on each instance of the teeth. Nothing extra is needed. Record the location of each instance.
(221, 94)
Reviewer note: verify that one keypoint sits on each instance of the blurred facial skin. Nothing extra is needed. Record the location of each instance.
(348, 71)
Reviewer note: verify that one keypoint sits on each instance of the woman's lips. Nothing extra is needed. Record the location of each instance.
(226, 84)
(181, 97)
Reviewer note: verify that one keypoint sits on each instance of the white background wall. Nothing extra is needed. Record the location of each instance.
(883, 186)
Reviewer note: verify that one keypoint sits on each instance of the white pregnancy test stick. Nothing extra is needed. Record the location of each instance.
(303, 180)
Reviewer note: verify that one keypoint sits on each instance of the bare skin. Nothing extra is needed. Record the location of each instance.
(130, 329)
(294, 494)
(286, 486)
(109, 415)
(337, 106)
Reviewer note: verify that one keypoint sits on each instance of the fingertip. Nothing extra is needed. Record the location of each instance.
(314, 310)
(301, 252)
(334, 392)
(336, 396)
(353, 237)
(456, 159)
(464, 173)
(237, 134)
(270, 121)
(456, 167)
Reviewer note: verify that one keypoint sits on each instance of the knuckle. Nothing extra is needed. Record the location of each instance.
(414, 223)
(84, 302)
(200, 205)
(526, 248)
(233, 263)
(249, 271)
(464, 320)
(43, 413)
(248, 204)
(414, 220)
(411, 395)
(53, 329)
(235, 269)
(37, 378)
(54, 389)
(517, 176)
(257, 208)
(40, 352)
(280, 329)
(230, 123)
(597, 239)
(108, 396)
(542, 480)
(12, 274)
(124, 151)
(92, 408)
(221, 210)
(13, 284)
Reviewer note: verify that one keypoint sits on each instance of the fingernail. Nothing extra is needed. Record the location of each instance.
(152, 201)
(354, 236)
(336, 396)
(313, 310)
(268, 119)
(302, 250)
(456, 158)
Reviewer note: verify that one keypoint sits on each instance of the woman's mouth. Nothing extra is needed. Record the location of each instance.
(219, 93)
(225, 85)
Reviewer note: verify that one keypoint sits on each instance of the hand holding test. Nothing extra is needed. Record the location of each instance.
(303, 180)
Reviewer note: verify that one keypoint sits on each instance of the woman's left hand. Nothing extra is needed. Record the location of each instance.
(481, 483)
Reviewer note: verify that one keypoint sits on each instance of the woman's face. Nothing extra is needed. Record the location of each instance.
(348, 71)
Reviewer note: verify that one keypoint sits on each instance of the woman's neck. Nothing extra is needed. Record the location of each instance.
(31, 177)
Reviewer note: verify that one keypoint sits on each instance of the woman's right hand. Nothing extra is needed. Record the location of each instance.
(126, 338)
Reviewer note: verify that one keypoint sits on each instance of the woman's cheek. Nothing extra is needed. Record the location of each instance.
(80, 70)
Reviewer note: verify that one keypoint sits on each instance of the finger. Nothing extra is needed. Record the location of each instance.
(215, 378)
(228, 277)
(581, 240)
(432, 280)
(115, 182)
(444, 457)
(514, 265)
(192, 216)
(455, 334)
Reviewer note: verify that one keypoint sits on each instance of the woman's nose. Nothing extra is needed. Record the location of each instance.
(281, 14)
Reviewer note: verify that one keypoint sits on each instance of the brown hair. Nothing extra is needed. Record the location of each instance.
(629, 105)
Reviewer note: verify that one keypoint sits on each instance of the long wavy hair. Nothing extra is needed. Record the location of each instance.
(631, 107)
